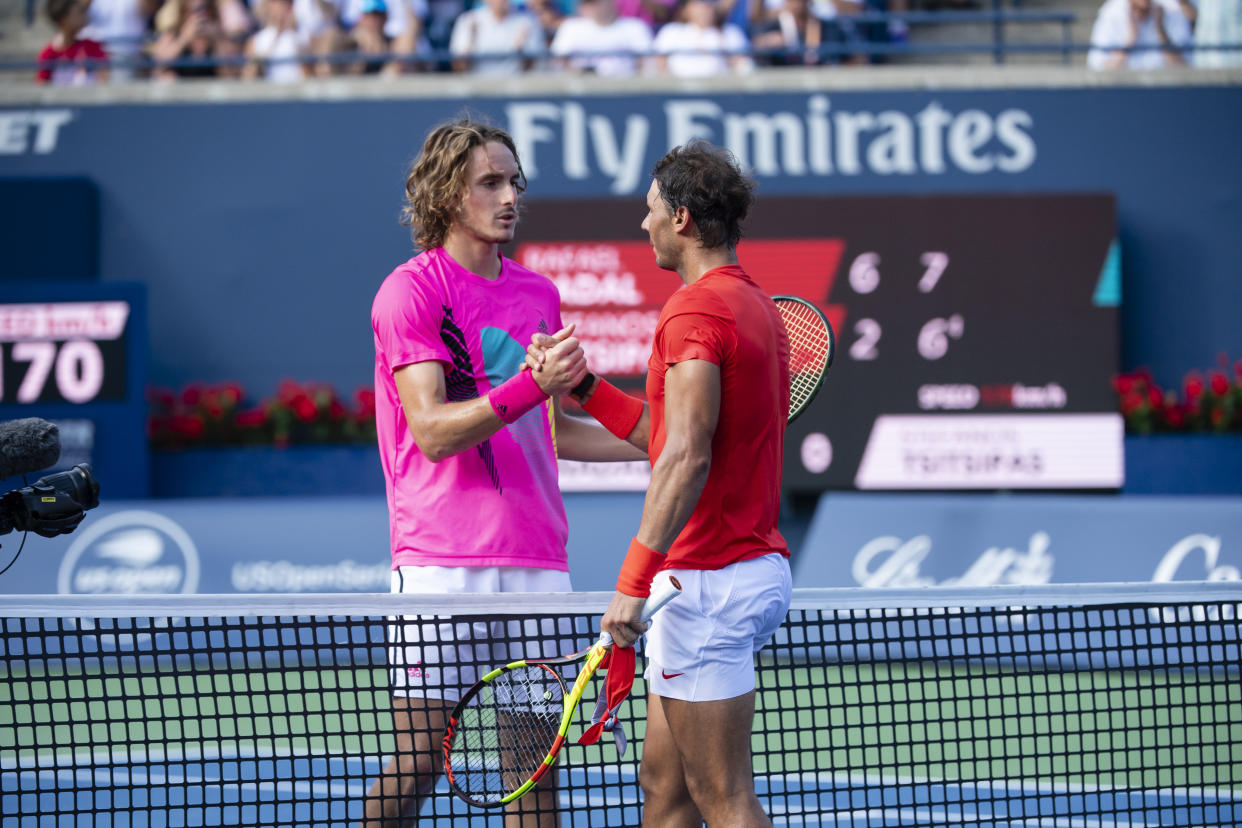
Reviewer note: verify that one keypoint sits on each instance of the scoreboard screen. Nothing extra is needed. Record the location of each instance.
(76, 354)
(976, 335)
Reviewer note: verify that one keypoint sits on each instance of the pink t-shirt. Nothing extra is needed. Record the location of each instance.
(497, 503)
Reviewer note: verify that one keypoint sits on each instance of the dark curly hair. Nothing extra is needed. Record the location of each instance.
(708, 182)
(437, 179)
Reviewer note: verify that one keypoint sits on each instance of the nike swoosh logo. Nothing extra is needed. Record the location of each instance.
(668, 675)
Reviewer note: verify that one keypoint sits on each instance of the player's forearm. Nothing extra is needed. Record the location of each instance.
(578, 439)
(450, 428)
(677, 482)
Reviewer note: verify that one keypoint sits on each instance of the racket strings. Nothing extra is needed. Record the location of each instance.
(809, 346)
(505, 731)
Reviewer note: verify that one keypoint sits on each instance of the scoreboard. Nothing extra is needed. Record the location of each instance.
(76, 354)
(977, 335)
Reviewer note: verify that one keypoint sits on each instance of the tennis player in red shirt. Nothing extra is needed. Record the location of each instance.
(718, 387)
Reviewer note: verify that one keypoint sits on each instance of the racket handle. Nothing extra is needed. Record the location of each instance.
(663, 589)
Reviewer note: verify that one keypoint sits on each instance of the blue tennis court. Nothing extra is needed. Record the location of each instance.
(216, 790)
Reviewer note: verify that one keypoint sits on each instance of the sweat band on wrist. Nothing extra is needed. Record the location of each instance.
(641, 565)
(515, 396)
(580, 390)
(616, 410)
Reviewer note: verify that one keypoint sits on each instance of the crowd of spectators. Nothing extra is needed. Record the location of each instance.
(284, 41)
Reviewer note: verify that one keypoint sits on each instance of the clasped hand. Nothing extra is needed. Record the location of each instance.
(557, 362)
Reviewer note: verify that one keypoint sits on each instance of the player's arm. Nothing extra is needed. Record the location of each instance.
(627, 417)
(442, 429)
(692, 409)
(578, 438)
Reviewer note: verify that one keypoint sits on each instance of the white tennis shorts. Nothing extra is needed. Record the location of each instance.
(435, 658)
(702, 645)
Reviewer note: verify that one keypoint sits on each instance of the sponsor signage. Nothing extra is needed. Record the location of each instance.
(972, 353)
(897, 541)
(263, 545)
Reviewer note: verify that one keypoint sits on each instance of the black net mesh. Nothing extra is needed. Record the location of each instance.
(1122, 713)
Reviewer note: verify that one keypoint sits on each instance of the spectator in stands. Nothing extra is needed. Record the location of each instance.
(1218, 23)
(496, 39)
(597, 41)
(399, 30)
(231, 26)
(67, 60)
(192, 42)
(368, 39)
(655, 13)
(122, 27)
(550, 16)
(795, 36)
(274, 50)
(1139, 34)
(698, 45)
(319, 28)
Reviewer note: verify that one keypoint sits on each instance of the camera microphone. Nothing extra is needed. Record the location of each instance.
(27, 446)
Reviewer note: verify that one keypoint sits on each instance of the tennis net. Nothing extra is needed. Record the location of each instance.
(1067, 705)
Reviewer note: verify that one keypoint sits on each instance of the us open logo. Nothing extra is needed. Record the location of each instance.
(129, 553)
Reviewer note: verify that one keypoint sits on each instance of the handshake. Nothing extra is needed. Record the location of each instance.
(558, 363)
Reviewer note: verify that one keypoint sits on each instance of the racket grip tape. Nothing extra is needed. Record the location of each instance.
(663, 590)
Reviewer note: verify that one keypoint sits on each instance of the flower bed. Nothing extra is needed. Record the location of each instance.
(1208, 402)
(204, 415)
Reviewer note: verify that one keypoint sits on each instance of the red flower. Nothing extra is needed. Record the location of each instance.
(254, 418)
(304, 409)
(231, 393)
(1130, 402)
(288, 391)
(1155, 396)
(187, 425)
(1194, 387)
(336, 410)
(191, 395)
(1220, 384)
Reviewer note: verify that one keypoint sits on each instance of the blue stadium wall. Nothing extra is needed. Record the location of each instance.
(261, 221)
(262, 225)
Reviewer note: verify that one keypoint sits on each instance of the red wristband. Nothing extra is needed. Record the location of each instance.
(641, 565)
(616, 410)
(515, 396)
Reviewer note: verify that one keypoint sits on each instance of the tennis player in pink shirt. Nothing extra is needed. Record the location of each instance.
(468, 441)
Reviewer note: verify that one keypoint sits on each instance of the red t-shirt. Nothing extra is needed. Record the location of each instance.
(58, 65)
(726, 319)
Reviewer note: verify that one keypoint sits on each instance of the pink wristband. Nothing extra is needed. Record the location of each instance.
(515, 396)
(640, 566)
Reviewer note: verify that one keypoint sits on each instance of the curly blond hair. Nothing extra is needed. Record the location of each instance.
(437, 180)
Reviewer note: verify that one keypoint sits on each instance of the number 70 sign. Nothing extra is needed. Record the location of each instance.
(70, 351)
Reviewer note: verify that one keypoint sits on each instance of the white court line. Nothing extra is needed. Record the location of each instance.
(939, 817)
(144, 777)
(821, 781)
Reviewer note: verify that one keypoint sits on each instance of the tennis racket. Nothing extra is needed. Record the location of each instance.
(507, 730)
(811, 347)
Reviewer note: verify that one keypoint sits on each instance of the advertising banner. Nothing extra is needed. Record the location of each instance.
(266, 544)
(972, 540)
